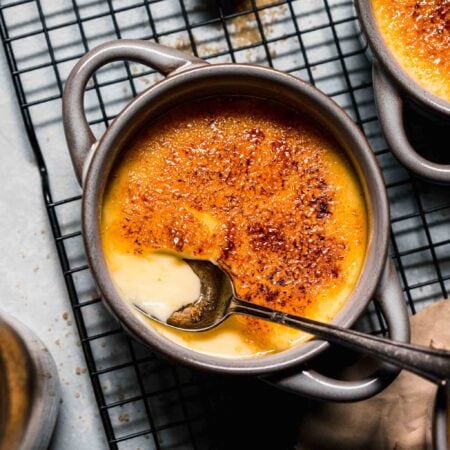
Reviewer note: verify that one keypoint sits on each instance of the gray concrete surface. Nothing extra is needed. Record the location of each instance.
(31, 285)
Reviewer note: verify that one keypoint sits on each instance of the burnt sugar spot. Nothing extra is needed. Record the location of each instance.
(254, 135)
(266, 238)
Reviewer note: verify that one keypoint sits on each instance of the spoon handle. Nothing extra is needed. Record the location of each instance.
(432, 364)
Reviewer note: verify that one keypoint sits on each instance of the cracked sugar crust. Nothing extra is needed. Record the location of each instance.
(247, 184)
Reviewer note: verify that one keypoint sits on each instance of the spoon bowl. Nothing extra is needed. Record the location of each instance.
(213, 305)
(211, 308)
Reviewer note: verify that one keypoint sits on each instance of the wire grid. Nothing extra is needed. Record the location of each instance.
(143, 401)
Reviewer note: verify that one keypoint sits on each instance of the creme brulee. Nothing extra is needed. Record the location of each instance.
(251, 186)
(418, 34)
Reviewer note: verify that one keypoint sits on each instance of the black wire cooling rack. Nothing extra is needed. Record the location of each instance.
(145, 402)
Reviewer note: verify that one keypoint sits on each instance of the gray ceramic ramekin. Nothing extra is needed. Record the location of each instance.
(441, 419)
(392, 87)
(190, 78)
(29, 388)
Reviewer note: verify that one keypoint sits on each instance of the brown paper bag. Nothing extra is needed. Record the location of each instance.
(399, 418)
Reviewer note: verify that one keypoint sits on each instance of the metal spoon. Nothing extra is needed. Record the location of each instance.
(217, 301)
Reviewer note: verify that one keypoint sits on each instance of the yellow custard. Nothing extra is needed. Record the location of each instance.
(251, 186)
(417, 32)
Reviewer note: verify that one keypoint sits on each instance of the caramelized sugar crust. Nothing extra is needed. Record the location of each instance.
(245, 183)
(418, 33)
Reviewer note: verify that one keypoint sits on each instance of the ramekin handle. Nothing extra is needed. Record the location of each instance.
(310, 383)
(390, 111)
(78, 133)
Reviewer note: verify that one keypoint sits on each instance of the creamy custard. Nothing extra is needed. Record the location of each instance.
(417, 32)
(157, 282)
(251, 186)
